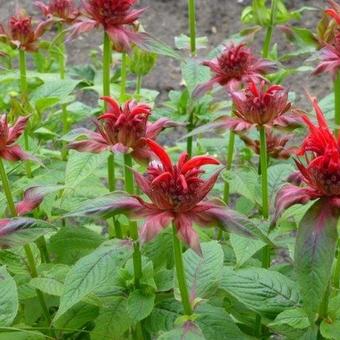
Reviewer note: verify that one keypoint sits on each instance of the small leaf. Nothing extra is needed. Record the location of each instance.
(295, 318)
(8, 298)
(194, 74)
(189, 331)
(314, 254)
(140, 305)
(91, 271)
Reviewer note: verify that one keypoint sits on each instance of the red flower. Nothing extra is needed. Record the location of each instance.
(321, 173)
(21, 33)
(334, 11)
(122, 129)
(236, 64)
(62, 9)
(117, 18)
(330, 58)
(8, 136)
(276, 145)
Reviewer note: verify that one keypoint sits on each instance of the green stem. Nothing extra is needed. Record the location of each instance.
(323, 311)
(180, 273)
(27, 248)
(269, 33)
(190, 128)
(336, 277)
(337, 100)
(133, 228)
(138, 86)
(123, 77)
(23, 90)
(264, 172)
(41, 243)
(229, 162)
(192, 26)
(107, 56)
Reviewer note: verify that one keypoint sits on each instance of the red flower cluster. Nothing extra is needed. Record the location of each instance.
(65, 10)
(117, 17)
(9, 150)
(122, 129)
(236, 64)
(334, 11)
(21, 33)
(321, 173)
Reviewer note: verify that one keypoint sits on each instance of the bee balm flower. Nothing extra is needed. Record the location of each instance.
(117, 17)
(236, 64)
(61, 9)
(320, 174)
(334, 11)
(123, 130)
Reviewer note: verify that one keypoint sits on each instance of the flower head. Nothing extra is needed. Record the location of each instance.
(65, 10)
(334, 11)
(9, 150)
(330, 58)
(236, 64)
(117, 17)
(21, 32)
(122, 129)
(320, 173)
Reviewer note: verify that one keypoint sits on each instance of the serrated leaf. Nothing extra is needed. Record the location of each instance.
(261, 290)
(47, 285)
(215, 323)
(244, 248)
(295, 318)
(113, 319)
(314, 253)
(56, 88)
(140, 305)
(194, 74)
(91, 271)
(8, 298)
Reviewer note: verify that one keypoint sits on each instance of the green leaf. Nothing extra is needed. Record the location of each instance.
(261, 290)
(244, 248)
(295, 318)
(314, 254)
(113, 320)
(189, 331)
(8, 298)
(80, 166)
(91, 271)
(140, 305)
(47, 285)
(216, 323)
(277, 175)
(330, 327)
(194, 74)
(203, 274)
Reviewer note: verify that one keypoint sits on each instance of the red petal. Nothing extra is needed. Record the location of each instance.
(154, 224)
(15, 153)
(17, 129)
(114, 106)
(153, 129)
(198, 161)
(161, 154)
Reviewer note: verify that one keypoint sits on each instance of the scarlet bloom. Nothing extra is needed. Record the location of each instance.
(334, 11)
(9, 150)
(236, 64)
(122, 130)
(21, 32)
(320, 174)
(276, 145)
(330, 58)
(65, 10)
(177, 193)
(117, 17)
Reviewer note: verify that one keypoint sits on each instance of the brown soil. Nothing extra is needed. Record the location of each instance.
(216, 19)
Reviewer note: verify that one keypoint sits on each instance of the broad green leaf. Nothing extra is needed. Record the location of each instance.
(189, 331)
(8, 298)
(277, 175)
(22, 230)
(244, 248)
(264, 291)
(82, 165)
(163, 316)
(194, 74)
(91, 271)
(216, 323)
(140, 305)
(48, 285)
(13, 333)
(56, 88)
(113, 319)
(314, 254)
(203, 274)
(77, 316)
(295, 318)
(182, 42)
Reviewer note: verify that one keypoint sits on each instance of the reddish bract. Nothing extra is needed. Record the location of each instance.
(21, 32)
(334, 11)
(9, 150)
(65, 10)
(236, 64)
(118, 19)
(330, 58)
(123, 130)
(321, 173)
